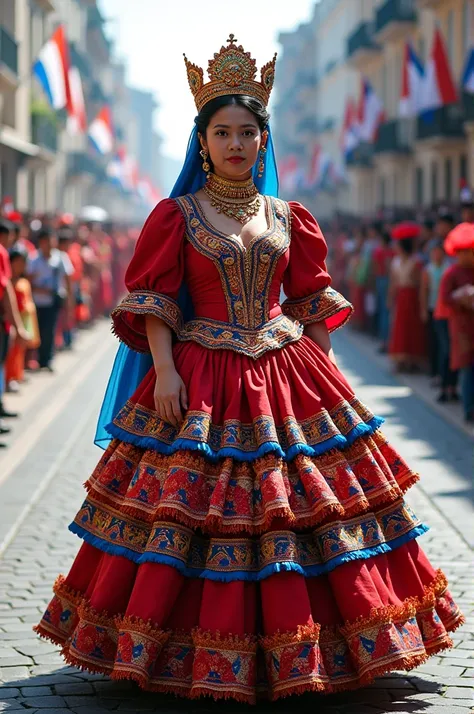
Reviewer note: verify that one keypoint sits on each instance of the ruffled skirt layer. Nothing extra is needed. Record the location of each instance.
(264, 548)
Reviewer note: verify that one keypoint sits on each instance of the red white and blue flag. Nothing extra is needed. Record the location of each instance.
(468, 75)
(350, 130)
(77, 120)
(101, 132)
(52, 70)
(438, 85)
(371, 111)
(413, 76)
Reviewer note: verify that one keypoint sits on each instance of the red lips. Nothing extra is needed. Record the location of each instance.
(235, 160)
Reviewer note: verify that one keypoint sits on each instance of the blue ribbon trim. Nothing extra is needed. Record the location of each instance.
(334, 442)
(284, 566)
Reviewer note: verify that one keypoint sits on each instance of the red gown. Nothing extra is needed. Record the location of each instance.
(264, 548)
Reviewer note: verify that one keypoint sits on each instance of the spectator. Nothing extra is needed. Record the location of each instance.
(10, 320)
(427, 239)
(407, 346)
(382, 259)
(457, 293)
(437, 327)
(15, 363)
(49, 272)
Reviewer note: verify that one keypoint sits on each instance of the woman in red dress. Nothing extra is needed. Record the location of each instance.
(408, 339)
(245, 532)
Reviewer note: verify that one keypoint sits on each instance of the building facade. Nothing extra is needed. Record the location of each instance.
(43, 165)
(413, 163)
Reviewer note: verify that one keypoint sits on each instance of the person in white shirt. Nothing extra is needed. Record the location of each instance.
(49, 273)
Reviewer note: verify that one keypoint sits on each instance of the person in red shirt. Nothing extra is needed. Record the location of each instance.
(457, 294)
(9, 315)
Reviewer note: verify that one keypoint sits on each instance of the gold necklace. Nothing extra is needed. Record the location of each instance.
(237, 199)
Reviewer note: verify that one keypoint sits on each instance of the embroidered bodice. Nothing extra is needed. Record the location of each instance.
(235, 290)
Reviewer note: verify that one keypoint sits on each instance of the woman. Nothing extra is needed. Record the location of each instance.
(245, 532)
(407, 346)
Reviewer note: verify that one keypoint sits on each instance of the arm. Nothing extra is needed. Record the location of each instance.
(319, 333)
(12, 314)
(170, 392)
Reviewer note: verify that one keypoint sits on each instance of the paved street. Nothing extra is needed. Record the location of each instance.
(41, 479)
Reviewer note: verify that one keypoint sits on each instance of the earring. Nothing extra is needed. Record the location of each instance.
(205, 164)
(261, 163)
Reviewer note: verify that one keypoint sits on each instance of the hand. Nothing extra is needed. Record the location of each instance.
(170, 395)
(22, 336)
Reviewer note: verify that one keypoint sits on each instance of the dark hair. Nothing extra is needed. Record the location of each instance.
(407, 245)
(43, 233)
(438, 244)
(5, 227)
(241, 100)
(65, 235)
(386, 238)
(18, 252)
(429, 224)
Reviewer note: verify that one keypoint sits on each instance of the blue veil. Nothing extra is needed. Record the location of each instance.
(130, 367)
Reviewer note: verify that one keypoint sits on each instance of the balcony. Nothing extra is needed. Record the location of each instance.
(44, 132)
(8, 60)
(361, 44)
(441, 124)
(80, 163)
(395, 137)
(46, 5)
(361, 157)
(394, 19)
(468, 104)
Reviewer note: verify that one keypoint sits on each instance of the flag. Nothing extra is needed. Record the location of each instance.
(371, 113)
(312, 177)
(349, 134)
(468, 75)
(77, 121)
(52, 70)
(438, 84)
(412, 84)
(101, 132)
(289, 173)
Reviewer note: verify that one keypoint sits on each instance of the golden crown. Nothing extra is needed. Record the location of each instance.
(232, 71)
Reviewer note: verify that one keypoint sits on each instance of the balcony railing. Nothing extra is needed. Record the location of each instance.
(395, 11)
(446, 122)
(361, 156)
(44, 132)
(395, 137)
(80, 162)
(362, 40)
(468, 104)
(8, 51)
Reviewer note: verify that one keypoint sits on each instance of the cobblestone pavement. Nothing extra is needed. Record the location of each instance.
(33, 677)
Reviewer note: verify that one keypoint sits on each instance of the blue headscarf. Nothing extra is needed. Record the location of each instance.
(130, 367)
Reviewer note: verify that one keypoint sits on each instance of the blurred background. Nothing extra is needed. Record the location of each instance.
(373, 109)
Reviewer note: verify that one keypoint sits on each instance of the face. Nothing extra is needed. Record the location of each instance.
(437, 255)
(18, 266)
(465, 257)
(233, 140)
(443, 228)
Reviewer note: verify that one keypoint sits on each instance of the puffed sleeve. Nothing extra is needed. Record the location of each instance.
(306, 282)
(153, 277)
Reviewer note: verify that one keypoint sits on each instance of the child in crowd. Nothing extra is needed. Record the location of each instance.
(457, 294)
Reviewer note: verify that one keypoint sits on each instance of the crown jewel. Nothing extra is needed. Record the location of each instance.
(232, 71)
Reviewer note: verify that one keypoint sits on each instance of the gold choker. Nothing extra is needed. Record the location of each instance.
(237, 199)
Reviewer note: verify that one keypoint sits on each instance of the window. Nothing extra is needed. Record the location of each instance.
(463, 167)
(419, 186)
(448, 179)
(434, 182)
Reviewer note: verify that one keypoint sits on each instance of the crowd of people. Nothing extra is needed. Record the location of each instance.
(57, 276)
(412, 286)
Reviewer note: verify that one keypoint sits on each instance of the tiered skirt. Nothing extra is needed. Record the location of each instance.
(261, 549)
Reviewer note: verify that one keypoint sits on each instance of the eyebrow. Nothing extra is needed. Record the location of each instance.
(242, 126)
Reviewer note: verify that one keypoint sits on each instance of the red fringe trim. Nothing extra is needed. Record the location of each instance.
(214, 640)
(281, 639)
